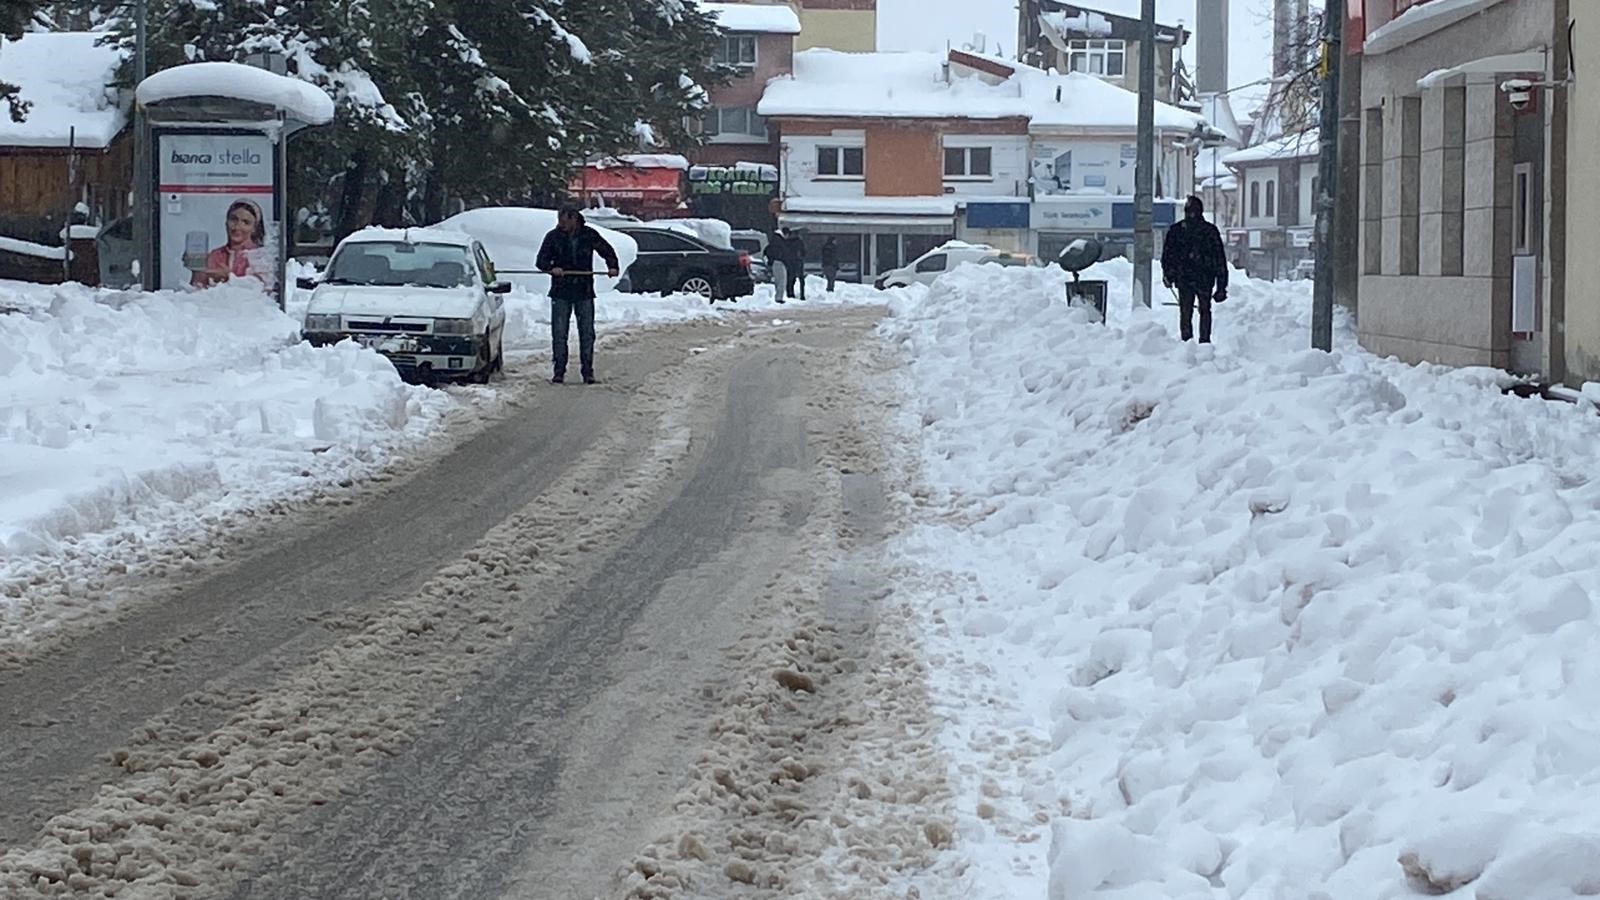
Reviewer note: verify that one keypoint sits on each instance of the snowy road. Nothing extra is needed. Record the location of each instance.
(615, 645)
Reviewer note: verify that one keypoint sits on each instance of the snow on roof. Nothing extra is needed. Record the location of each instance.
(300, 99)
(66, 76)
(29, 248)
(1420, 21)
(646, 161)
(1295, 146)
(1080, 23)
(449, 236)
(774, 18)
(912, 85)
(1127, 9)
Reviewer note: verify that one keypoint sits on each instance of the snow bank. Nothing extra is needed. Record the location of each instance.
(29, 248)
(1278, 623)
(119, 412)
(67, 78)
(513, 235)
(301, 100)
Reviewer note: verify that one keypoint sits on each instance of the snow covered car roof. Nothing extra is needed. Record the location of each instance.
(447, 236)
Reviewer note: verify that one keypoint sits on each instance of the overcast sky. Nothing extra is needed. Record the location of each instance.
(932, 24)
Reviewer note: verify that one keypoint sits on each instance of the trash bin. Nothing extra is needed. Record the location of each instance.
(1091, 294)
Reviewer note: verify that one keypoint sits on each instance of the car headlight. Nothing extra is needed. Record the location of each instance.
(453, 326)
(321, 324)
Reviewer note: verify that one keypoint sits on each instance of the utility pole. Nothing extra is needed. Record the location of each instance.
(143, 201)
(1144, 239)
(1328, 224)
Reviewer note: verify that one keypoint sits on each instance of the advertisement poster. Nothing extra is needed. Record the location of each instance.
(1100, 167)
(216, 215)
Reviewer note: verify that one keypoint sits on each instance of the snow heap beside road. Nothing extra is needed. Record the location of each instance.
(123, 414)
(1252, 622)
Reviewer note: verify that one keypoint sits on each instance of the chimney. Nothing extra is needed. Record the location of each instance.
(1211, 46)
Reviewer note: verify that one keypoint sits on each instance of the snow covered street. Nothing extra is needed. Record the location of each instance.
(1248, 621)
(138, 427)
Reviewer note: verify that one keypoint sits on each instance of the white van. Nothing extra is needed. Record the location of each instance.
(945, 257)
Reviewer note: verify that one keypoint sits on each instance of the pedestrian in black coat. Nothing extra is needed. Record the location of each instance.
(829, 257)
(795, 247)
(1195, 262)
(567, 256)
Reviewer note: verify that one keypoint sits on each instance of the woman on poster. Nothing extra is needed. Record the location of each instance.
(242, 255)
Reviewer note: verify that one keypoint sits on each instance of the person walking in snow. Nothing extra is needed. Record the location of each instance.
(567, 256)
(1195, 262)
(778, 262)
(829, 256)
(796, 261)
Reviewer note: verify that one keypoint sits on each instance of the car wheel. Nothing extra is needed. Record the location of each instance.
(482, 374)
(697, 284)
(500, 355)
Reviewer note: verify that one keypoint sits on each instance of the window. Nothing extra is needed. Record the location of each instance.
(935, 263)
(1103, 58)
(1255, 199)
(968, 162)
(1522, 208)
(1272, 199)
(841, 162)
(736, 50)
(735, 122)
(659, 242)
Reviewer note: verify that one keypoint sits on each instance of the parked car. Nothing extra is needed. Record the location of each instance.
(670, 261)
(425, 298)
(1304, 270)
(929, 266)
(754, 243)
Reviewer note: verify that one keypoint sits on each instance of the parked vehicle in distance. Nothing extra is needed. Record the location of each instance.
(945, 257)
(753, 242)
(425, 298)
(1304, 270)
(670, 262)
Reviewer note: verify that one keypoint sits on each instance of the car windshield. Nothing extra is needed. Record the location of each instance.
(394, 263)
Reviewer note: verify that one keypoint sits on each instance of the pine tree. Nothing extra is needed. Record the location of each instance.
(15, 15)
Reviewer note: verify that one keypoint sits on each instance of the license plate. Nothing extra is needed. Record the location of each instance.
(384, 343)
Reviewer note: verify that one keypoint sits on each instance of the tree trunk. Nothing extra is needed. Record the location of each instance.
(358, 199)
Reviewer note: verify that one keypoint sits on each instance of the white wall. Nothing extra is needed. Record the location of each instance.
(799, 166)
(1262, 176)
(1064, 164)
(1008, 162)
(1308, 198)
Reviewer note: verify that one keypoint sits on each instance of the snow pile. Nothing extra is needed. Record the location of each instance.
(1305, 145)
(29, 248)
(715, 232)
(1275, 622)
(122, 412)
(647, 161)
(1091, 23)
(67, 78)
(301, 100)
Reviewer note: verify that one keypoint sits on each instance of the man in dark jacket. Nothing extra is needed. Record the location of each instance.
(1195, 262)
(567, 256)
(795, 257)
(829, 257)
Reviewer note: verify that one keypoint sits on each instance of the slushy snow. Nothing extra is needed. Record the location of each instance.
(1252, 620)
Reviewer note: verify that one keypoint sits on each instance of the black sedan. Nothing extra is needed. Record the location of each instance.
(670, 262)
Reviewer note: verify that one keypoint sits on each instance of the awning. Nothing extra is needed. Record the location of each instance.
(868, 224)
(1529, 61)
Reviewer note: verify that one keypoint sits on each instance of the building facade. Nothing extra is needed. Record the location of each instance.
(1099, 38)
(894, 153)
(848, 25)
(759, 43)
(1461, 232)
(1275, 191)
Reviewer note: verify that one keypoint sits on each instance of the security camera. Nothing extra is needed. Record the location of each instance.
(1519, 91)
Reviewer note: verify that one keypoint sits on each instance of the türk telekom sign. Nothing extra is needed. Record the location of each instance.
(218, 212)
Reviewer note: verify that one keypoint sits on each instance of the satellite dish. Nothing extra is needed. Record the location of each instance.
(1079, 255)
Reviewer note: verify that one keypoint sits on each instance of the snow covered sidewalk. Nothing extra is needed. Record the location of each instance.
(1252, 621)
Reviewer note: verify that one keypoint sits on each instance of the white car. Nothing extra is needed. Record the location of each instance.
(946, 257)
(425, 298)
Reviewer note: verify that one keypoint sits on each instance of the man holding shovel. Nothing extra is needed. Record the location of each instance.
(1194, 262)
(567, 256)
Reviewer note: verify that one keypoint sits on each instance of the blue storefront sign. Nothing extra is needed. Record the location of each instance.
(1122, 215)
(998, 215)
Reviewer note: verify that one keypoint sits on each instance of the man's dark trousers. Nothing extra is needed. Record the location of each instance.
(1186, 299)
(561, 312)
